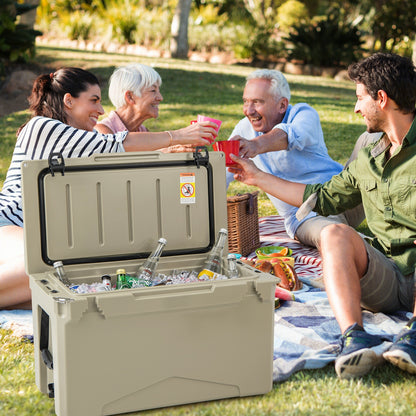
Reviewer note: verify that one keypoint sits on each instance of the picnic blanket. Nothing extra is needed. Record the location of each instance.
(306, 333)
(18, 321)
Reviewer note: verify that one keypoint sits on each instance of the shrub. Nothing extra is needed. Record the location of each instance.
(153, 29)
(78, 24)
(207, 28)
(291, 13)
(328, 42)
(17, 41)
(124, 17)
(260, 44)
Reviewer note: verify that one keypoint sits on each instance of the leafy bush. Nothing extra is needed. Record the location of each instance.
(17, 41)
(403, 47)
(208, 29)
(290, 13)
(78, 24)
(153, 29)
(124, 17)
(328, 42)
(208, 14)
(260, 44)
(247, 41)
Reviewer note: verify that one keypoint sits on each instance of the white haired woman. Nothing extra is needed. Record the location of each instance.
(134, 90)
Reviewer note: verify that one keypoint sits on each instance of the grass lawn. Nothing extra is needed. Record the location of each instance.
(189, 89)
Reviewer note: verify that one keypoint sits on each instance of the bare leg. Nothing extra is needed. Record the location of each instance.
(344, 264)
(14, 282)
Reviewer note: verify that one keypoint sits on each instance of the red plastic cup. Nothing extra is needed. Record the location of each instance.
(228, 147)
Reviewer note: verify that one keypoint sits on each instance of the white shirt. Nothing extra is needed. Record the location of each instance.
(306, 159)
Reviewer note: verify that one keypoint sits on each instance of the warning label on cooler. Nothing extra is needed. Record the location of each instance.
(187, 188)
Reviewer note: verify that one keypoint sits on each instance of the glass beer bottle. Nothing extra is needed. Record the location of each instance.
(121, 279)
(147, 270)
(60, 271)
(213, 263)
(232, 266)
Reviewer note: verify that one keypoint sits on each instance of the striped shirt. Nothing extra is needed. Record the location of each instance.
(39, 138)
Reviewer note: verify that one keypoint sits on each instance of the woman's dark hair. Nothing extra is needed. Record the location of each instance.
(391, 73)
(48, 91)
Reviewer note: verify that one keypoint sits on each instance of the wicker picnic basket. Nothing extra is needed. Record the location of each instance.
(243, 223)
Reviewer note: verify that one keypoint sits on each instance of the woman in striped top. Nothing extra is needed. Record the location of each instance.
(65, 107)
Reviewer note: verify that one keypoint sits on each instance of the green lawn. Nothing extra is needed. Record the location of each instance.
(189, 89)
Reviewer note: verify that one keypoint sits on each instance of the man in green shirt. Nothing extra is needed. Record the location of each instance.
(380, 275)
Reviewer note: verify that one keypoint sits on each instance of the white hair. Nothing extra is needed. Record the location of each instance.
(279, 87)
(132, 77)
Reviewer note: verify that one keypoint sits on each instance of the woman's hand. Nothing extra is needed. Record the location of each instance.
(197, 134)
(245, 171)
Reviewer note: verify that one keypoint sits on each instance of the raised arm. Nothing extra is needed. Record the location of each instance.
(302, 129)
(248, 173)
(197, 134)
(274, 140)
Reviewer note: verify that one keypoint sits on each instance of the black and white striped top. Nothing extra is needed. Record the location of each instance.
(38, 139)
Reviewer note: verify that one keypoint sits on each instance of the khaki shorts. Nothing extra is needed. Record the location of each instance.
(384, 288)
(309, 232)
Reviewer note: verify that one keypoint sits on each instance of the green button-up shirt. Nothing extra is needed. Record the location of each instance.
(387, 189)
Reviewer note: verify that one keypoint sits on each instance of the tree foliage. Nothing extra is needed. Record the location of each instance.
(392, 20)
(17, 41)
(388, 21)
(263, 12)
(328, 42)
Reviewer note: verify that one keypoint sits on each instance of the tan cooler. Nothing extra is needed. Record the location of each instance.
(128, 350)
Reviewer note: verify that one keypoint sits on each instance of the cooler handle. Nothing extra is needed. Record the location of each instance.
(180, 298)
(125, 157)
(44, 340)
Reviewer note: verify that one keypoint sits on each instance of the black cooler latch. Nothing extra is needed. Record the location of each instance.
(199, 157)
(56, 163)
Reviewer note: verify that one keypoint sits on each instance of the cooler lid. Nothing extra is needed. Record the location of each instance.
(116, 206)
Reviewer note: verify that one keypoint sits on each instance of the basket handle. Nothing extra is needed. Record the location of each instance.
(250, 204)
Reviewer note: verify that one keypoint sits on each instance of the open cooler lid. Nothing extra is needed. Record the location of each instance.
(112, 207)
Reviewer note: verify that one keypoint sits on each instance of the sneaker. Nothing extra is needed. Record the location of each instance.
(403, 351)
(357, 357)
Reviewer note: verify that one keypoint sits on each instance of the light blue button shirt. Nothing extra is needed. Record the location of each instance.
(306, 159)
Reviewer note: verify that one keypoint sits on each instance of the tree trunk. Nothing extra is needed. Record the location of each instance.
(29, 18)
(414, 51)
(179, 30)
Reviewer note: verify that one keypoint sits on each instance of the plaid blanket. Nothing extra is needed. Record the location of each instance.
(306, 333)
